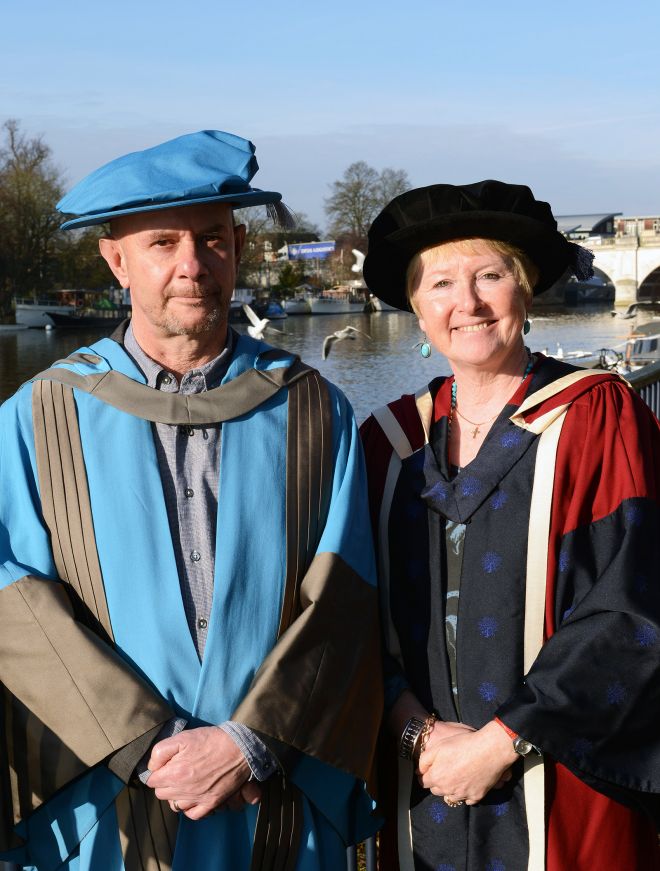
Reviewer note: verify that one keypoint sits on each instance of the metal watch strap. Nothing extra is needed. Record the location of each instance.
(411, 732)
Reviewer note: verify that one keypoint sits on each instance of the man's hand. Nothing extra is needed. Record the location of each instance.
(468, 764)
(249, 793)
(200, 769)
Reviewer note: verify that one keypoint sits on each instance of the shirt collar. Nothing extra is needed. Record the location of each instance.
(196, 380)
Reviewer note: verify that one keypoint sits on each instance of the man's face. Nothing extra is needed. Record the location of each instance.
(180, 265)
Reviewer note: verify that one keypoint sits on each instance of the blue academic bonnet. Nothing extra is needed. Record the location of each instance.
(204, 167)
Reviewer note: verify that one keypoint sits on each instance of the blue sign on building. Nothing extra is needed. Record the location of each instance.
(310, 250)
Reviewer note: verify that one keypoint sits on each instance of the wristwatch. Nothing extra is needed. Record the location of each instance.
(409, 737)
(521, 746)
(524, 747)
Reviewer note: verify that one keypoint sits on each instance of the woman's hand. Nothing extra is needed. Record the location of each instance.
(443, 730)
(466, 764)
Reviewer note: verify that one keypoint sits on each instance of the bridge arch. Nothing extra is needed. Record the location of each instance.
(649, 288)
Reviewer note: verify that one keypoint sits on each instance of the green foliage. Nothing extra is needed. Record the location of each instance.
(29, 224)
(35, 255)
(79, 261)
(291, 275)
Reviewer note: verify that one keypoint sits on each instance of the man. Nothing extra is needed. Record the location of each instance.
(183, 545)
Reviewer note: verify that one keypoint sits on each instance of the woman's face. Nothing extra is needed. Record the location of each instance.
(470, 305)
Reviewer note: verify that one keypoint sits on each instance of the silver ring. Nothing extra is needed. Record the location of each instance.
(178, 809)
(451, 803)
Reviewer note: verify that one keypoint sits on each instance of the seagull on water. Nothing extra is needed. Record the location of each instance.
(257, 325)
(338, 335)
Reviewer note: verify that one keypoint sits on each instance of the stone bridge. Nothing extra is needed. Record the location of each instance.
(628, 256)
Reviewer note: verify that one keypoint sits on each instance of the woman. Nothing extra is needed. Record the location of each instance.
(515, 505)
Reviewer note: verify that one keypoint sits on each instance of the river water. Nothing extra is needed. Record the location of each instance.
(370, 372)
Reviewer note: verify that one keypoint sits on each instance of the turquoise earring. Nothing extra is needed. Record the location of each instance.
(526, 327)
(425, 349)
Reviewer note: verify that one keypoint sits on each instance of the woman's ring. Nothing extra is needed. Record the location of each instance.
(451, 803)
(175, 805)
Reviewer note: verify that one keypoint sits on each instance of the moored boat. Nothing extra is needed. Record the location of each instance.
(342, 300)
(35, 313)
(74, 308)
(90, 317)
(297, 306)
(377, 305)
(271, 309)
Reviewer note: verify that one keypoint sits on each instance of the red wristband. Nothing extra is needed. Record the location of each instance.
(513, 735)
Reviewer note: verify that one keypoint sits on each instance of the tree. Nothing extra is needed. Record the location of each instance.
(290, 277)
(357, 198)
(354, 200)
(391, 183)
(30, 187)
(257, 224)
(264, 241)
(79, 262)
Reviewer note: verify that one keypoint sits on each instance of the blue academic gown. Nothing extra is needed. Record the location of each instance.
(77, 827)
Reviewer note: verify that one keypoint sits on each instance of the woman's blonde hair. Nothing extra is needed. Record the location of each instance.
(524, 270)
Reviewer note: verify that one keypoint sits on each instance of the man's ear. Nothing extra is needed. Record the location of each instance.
(112, 253)
(239, 241)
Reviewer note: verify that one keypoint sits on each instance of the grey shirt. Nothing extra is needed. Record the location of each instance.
(189, 463)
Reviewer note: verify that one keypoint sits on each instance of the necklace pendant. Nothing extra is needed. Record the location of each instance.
(475, 432)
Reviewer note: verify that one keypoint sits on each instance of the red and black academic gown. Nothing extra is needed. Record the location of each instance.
(591, 700)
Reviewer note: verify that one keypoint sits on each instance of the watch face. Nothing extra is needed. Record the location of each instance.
(522, 747)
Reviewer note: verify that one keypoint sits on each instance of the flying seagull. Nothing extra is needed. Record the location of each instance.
(632, 310)
(257, 325)
(338, 335)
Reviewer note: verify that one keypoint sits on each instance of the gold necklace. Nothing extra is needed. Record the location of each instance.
(477, 426)
(475, 431)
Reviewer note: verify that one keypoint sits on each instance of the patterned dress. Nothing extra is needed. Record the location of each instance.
(591, 699)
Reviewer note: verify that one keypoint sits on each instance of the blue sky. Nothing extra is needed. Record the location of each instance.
(562, 96)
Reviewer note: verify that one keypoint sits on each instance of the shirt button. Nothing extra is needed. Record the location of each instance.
(202, 623)
(167, 379)
(195, 556)
(188, 492)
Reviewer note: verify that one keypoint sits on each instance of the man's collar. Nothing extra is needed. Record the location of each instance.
(212, 372)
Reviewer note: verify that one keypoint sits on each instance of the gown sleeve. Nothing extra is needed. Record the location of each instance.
(592, 697)
(68, 699)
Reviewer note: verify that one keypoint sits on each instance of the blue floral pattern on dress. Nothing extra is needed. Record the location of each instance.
(491, 561)
(495, 865)
(564, 560)
(488, 691)
(634, 515)
(501, 809)
(470, 485)
(439, 491)
(511, 439)
(488, 627)
(581, 748)
(616, 693)
(646, 635)
(438, 811)
(498, 500)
